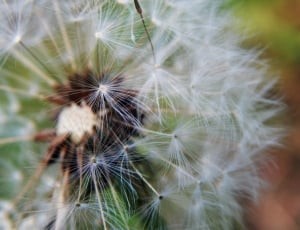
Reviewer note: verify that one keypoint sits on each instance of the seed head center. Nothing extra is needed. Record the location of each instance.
(99, 35)
(17, 39)
(77, 121)
(102, 89)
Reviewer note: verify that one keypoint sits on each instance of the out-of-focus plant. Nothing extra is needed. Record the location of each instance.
(153, 115)
(276, 23)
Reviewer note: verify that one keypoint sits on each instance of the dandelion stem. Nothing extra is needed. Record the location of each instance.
(114, 193)
(80, 163)
(178, 168)
(61, 210)
(155, 132)
(99, 200)
(46, 26)
(10, 140)
(135, 169)
(33, 67)
(36, 58)
(143, 129)
(144, 179)
(64, 33)
(140, 12)
(31, 183)
(21, 92)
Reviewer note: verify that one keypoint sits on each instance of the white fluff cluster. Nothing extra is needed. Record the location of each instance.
(77, 121)
(208, 112)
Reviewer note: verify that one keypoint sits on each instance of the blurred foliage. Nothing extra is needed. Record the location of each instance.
(276, 26)
(277, 23)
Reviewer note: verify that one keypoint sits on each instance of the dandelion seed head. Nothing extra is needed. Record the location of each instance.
(163, 137)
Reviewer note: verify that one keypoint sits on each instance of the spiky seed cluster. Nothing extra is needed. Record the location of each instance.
(95, 126)
(106, 103)
(142, 139)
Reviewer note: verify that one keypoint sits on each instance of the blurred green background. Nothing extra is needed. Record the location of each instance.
(274, 26)
(276, 23)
